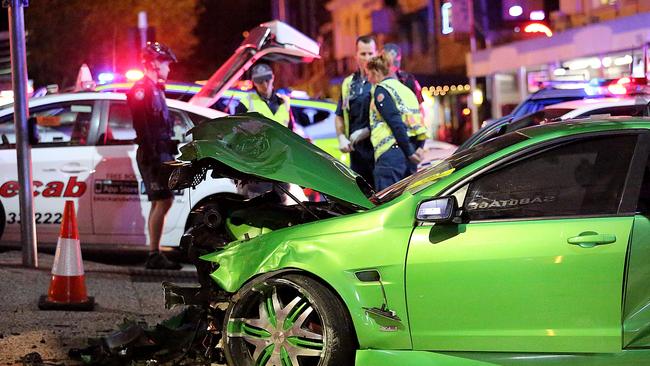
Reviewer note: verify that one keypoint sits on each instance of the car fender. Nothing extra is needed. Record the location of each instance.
(316, 248)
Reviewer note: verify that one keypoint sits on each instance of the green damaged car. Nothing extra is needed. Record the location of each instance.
(532, 248)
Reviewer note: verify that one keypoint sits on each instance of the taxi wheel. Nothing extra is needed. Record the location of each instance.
(290, 320)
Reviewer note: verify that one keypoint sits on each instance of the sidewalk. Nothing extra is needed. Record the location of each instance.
(120, 292)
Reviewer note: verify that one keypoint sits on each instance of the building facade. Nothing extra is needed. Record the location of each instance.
(590, 39)
(435, 57)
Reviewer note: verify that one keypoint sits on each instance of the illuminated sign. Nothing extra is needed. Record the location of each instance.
(538, 28)
(446, 18)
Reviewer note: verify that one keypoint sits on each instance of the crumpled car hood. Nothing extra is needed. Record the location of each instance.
(258, 148)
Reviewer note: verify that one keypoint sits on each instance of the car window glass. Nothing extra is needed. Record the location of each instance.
(307, 116)
(63, 123)
(120, 129)
(643, 206)
(7, 132)
(580, 178)
(226, 104)
(180, 125)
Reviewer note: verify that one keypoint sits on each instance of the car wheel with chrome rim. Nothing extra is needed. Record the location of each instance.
(290, 320)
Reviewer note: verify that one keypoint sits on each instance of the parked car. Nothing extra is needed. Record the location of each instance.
(559, 92)
(633, 106)
(86, 153)
(315, 118)
(529, 246)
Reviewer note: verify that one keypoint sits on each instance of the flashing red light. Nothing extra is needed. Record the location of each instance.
(538, 28)
(134, 75)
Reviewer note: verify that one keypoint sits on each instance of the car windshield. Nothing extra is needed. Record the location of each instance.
(425, 178)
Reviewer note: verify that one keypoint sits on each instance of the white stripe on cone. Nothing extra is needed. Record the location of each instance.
(67, 260)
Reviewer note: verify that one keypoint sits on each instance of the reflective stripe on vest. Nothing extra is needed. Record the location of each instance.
(381, 136)
(345, 93)
(255, 104)
(408, 105)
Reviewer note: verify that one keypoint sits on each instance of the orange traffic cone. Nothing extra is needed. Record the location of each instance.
(68, 285)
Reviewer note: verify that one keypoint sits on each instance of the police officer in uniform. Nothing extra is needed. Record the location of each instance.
(352, 113)
(394, 110)
(154, 131)
(274, 106)
(417, 136)
(264, 100)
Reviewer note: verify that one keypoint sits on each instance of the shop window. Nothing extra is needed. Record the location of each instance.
(580, 178)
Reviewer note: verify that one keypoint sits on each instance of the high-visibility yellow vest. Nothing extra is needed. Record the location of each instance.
(255, 104)
(407, 104)
(345, 96)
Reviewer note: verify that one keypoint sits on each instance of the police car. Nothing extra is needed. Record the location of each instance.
(314, 118)
(86, 153)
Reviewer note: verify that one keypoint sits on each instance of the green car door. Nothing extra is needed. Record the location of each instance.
(537, 263)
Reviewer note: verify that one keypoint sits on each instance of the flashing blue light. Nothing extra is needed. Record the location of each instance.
(105, 77)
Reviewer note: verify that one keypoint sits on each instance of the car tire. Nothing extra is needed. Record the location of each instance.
(292, 320)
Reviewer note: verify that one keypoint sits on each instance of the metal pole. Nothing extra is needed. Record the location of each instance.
(142, 26)
(23, 151)
(472, 80)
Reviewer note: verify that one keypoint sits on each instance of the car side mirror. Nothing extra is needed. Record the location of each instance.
(438, 210)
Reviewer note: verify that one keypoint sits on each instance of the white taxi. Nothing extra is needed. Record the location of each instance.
(86, 153)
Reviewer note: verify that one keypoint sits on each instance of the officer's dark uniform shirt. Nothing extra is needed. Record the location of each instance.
(389, 112)
(153, 126)
(274, 102)
(362, 158)
(359, 103)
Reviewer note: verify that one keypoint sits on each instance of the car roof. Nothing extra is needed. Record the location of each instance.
(547, 93)
(596, 103)
(584, 125)
(66, 97)
(193, 88)
(579, 107)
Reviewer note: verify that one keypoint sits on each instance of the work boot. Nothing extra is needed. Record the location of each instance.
(160, 261)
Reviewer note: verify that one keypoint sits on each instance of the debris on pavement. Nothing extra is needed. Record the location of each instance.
(178, 340)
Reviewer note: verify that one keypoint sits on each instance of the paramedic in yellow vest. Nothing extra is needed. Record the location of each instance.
(263, 99)
(352, 118)
(394, 109)
(417, 135)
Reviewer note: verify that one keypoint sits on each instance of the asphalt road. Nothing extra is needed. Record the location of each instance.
(120, 291)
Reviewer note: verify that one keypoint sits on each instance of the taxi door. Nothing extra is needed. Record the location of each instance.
(118, 190)
(62, 163)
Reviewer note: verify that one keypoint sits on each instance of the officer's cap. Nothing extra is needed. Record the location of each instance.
(393, 48)
(157, 51)
(261, 72)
